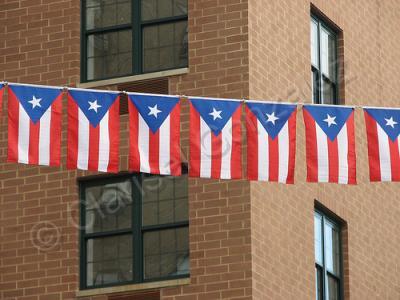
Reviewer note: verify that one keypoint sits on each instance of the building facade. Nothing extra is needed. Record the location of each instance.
(247, 240)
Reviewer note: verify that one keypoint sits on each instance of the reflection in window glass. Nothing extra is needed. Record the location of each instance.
(109, 54)
(318, 238)
(106, 13)
(165, 46)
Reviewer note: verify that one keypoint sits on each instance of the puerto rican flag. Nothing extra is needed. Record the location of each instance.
(330, 144)
(271, 141)
(215, 138)
(154, 129)
(34, 124)
(383, 129)
(93, 130)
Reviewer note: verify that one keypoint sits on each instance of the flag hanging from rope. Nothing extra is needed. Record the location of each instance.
(93, 130)
(271, 141)
(34, 124)
(154, 134)
(330, 144)
(215, 138)
(383, 129)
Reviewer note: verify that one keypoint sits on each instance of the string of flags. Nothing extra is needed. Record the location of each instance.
(215, 142)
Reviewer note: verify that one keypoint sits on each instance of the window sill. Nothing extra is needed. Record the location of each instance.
(133, 287)
(139, 77)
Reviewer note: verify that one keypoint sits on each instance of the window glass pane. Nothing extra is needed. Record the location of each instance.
(314, 43)
(333, 288)
(315, 85)
(165, 200)
(166, 253)
(328, 92)
(108, 207)
(165, 46)
(109, 54)
(158, 9)
(109, 260)
(105, 13)
(332, 254)
(328, 54)
(318, 284)
(318, 238)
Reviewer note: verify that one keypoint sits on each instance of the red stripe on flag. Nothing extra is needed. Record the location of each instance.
(1, 98)
(113, 131)
(352, 179)
(373, 148)
(311, 147)
(13, 124)
(154, 151)
(94, 136)
(73, 127)
(273, 149)
(194, 143)
(252, 145)
(175, 143)
(55, 131)
(134, 156)
(394, 159)
(333, 160)
(236, 156)
(292, 147)
(216, 155)
(33, 154)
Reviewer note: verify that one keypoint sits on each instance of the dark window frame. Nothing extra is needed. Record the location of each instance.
(137, 38)
(338, 224)
(137, 230)
(316, 70)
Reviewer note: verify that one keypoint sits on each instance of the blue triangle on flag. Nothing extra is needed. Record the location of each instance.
(93, 104)
(331, 119)
(272, 116)
(154, 109)
(35, 100)
(216, 113)
(388, 119)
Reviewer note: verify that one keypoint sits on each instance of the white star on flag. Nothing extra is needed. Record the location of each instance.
(272, 118)
(35, 102)
(330, 120)
(390, 122)
(216, 114)
(154, 111)
(94, 106)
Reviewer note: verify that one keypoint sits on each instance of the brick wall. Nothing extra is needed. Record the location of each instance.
(39, 43)
(282, 217)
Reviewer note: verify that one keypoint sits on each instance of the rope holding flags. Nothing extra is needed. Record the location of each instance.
(215, 137)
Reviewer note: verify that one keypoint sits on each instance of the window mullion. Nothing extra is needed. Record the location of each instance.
(137, 37)
(324, 271)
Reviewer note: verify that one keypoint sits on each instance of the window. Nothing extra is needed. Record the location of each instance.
(127, 37)
(328, 263)
(324, 63)
(134, 228)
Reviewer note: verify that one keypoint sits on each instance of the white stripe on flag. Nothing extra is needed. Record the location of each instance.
(263, 153)
(104, 143)
(23, 135)
(143, 143)
(226, 148)
(205, 150)
(44, 138)
(283, 142)
(83, 141)
(384, 155)
(343, 149)
(164, 147)
(323, 157)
